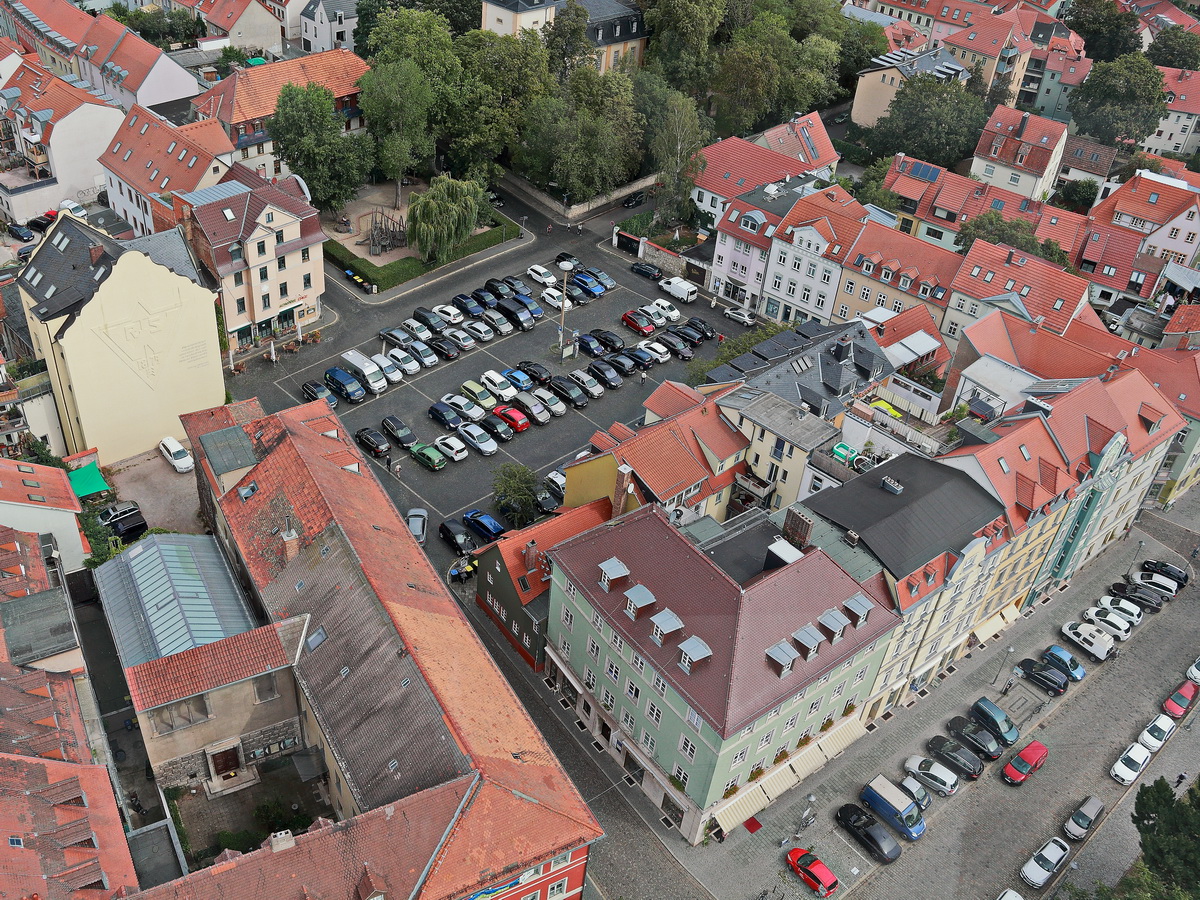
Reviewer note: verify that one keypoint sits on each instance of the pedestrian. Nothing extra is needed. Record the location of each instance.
(642, 376)
(550, 228)
(720, 339)
(1180, 778)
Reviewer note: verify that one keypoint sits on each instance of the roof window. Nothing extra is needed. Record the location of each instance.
(664, 623)
(316, 639)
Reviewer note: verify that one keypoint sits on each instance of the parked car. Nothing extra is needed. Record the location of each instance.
(499, 288)
(609, 339)
(444, 347)
(646, 270)
(637, 322)
(428, 456)
(541, 275)
(1081, 821)
(622, 363)
(532, 407)
(590, 346)
(554, 298)
(657, 351)
(539, 373)
(483, 524)
(451, 314)
(467, 305)
(40, 223)
(995, 720)
(1057, 656)
(417, 520)
(577, 295)
(590, 385)
(637, 198)
(869, 833)
(550, 401)
(372, 441)
(314, 390)
(1181, 700)
(468, 409)
(397, 432)
(1108, 622)
(20, 232)
(1096, 642)
(686, 333)
(1126, 609)
(1031, 758)
(498, 385)
(512, 417)
(426, 357)
(397, 337)
(1129, 765)
(344, 385)
(1193, 672)
(668, 309)
(556, 481)
(955, 756)
(1158, 583)
(1146, 599)
(173, 452)
(117, 511)
(451, 447)
(605, 374)
(546, 501)
(1155, 734)
(517, 379)
(568, 391)
(933, 775)
(477, 439)
(565, 256)
(454, 533)
(916, 790)
(444, 415)
(1044, 676)
(815, 875)
(587, 284)
(1043, 864)
(530, 304)
(741, 316)
(418, 330)
(485, 298)
(497, 427)
(675, 344)
(702, 326)
(129, 526)
(404, 361)
(975, 737)
(460, 338)
(518, 286)
(473, 390)
(1176, 574)
(481, 331)
(654, 314)
(641, 358)
(601, 276)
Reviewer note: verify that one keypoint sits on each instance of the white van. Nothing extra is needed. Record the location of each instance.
(679, 288)
(1090, 638)
(369, 375)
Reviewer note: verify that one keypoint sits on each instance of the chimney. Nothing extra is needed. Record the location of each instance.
(531, 555)
(797, 528)
(1008, 262)
(291, 541)
(622, 488)
(851, 538)
(841, 349)
(1024, 122)
(891, 485)
(95, 252)
(189, 230)
(282, 840)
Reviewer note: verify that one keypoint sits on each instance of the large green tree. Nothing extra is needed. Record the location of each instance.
(1107, 32)
(1121, 101)
(397, 102)
(1080, 194)
(861, 43)
(1017, 233)
(679, 136)
(1169, 828)
(1138, 884)
(444, 216)
(423, 37)
(681, 35)
(869, 187)
(1176, 48)
(515, 487)
(310, 139)
(931, 120)
(568, 45)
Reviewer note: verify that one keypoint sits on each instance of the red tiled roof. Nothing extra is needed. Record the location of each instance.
(234, 220)
(151, 155)
(730, 222)
(47, 482)
(251, 93)
(42, 92)
(833, 213)
(73, 843)
(1045, 290)
(1109, 245)
(205, 668)
(1144, 198)
(1185, 320)
(107, 41)
(924, 263)
(547, 535)
(22, 564)
(1072, 68)
(917, 319)
(1020, 140)
(734, 166)
(903, 36)
(66, 19)
(672, 397)
(1183, 90)
(804, 139)
(224, 14)
(989, 35)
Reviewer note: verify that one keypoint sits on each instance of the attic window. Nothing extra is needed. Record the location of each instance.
(610, 570)
(664, 623)
(1003, 465)
(637, 598)
(832, 624)
(247, 491)
(1025, 452)
(15, 840)
(1153, 198)
(29, 470)
(30, 483)
(692, 651)
(783, 655)
(859, 608)
(316, 639)
(393, 765)
(171, 146)
(36, 498)
(1058, 303)
(228, 213)
(809, 639)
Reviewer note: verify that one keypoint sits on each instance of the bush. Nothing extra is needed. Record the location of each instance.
(854, 153)
(849, 710)
(641, 225)
(245, 841)
(780, 756)
(756, 773)
(729, 792)
(804, 741)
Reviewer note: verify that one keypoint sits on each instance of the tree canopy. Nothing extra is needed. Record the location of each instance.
(1169, 828)
(515, 487)
(679, 135)
(444, 216)
(396, 101)
(1107, 32)
(1175, 48)
(1016, 233)
(931, 120)
(870, 189)
(567, 42)
(1121, 101)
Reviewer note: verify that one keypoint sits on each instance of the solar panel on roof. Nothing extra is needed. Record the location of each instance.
(925, 172)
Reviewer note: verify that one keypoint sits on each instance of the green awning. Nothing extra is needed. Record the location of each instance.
(87, 481)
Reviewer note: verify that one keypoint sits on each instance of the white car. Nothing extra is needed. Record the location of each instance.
(498, 385)
(1123, 608)
(554, 298)
(1043, 864)
(479, 331)
(173, 452)
(476, 437)
(654, 314)
(404, 361)
(1010, 894)
(740, 315)
(1193, 672)
(468, 409)
(417, 330)
(1130, 764)
(551, 401)
(1157, 583)
(667, 308)
(1108, 622)
(451, 447)
(541, 275)
(390, 370)
(660, 353)
(1156, 733)
(932, 774)
(449, 313)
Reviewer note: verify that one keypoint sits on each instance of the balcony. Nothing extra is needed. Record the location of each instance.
(754, 485)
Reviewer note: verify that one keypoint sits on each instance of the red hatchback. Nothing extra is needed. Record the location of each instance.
(814, 873)
(1029, 760)
(639, 322)
(1181, 700)
(513, 416)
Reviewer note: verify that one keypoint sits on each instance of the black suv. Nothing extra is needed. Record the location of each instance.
(125, 519)
(875, 839)
(637, 198)
(568, 391)
(610, 340)
(397, 431)
(955, 755)
(455, 533)
(501, 290)
(698, 324)
(1044, 675)
(977, 739)
(430, 319)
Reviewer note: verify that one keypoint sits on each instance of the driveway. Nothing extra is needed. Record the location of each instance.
(168, 499)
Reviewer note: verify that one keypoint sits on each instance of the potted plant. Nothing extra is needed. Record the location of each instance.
(827, 724)
(849, 710)
(729, 792)
(804, 741)
(675, 783)
(756, 773)
(781, 756)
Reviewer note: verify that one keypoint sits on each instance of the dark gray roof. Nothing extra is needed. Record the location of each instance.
(938, 510)
(702, 252)
(348, 9)
(37, 626)
(169, 593)
(780, 417)
(110, 223)
(14, 320)
(228, 449)
(168, 248)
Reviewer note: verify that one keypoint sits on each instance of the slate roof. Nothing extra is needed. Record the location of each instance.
(152, 156)
(169, 249)
(37, 626)
(62, 25)
(804, 138)
(940, 510)
(767, 206)
(169, 593)
(734, 166)
(348, 9)
(1020, 140)
(739, 623)
(48, 483)
(1071, 67)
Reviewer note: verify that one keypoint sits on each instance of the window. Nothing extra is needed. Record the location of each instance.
(307, 281)
(660, 686)
(618, 643)
(732, 783)
(765, 739)
(607, 698)
(264, 688)
(632, 691)
(613, 671)
(989, 170)
(281, 263)
(849, 287)
(241, 305)
(648, 740)
(262, 248)
(589, 678)
(598, 623)
(860, 675)
(865, 293)
(304, 254)
(843, 311)
(694, 720)
(791, 723)
(238, 279)
(739, 758)
(791, 289)
(262, 273)
(687, 748)
(558, 889)
(564, 645)
(593, 649)
(639, 664)
(814, 707)
(838, 691)
(825, 276)
(627, 721)
(653, 712)
(679, 775)
(179, 715)
(568, 619)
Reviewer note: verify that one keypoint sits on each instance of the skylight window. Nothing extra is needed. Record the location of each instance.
(228, 214)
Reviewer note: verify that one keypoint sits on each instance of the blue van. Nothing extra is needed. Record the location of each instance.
(483, 525)
(344, 385)
(893, 806)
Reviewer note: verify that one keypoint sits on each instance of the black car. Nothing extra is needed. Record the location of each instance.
(443, 347)
(641, 358)
(498, 288)
(399, 433)
(444, 415)
(568, 391)
(1044, 675)
(675, 344)
(646, 270)
(865, 829)
(372, 441)
(637, 198)
(467, 305)
(130, 528)
(621, 363)
(686, 333)
(975, 737)
(577, 295)
(40, 223)
(314, 390)
(1165, 569)
(20, 232)
(608, 339)
(455, 533)
(539, 373)
(605, 374)
(1145, 598)
(430, 319)
(397, 337)
(497, 427)
(518, 286)
(566, 257)
(698, 324)
(546, 501)
(485, 298)
(955, 755)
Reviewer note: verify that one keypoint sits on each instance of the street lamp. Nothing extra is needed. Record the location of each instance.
(1136, 556)
(1008, 651)
(567, 268)
(523, 218)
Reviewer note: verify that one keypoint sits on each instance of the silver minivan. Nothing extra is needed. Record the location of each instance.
(532, 407)
(365, 371)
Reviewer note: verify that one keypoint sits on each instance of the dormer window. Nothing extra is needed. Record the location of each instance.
(868, 268)
(832, 623)
(924, 290)
(783, 655)
(664, 623)
(611, 570)
(638, 599)
(692, 651)
(749, 224)
(905, 282)
(885, 275)
(808, 639)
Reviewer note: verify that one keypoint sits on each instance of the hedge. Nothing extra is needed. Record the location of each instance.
(854, 153)
(402, 270)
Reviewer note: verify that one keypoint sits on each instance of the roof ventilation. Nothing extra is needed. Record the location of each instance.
(282, 840)
(851, 538)
(891, 485)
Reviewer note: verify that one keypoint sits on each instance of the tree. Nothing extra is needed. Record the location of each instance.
(515, 487)
(1169, 828)
(744, 86)
(424, 38)
(444, 216)
(1016, 233)
(463, 16)
(861, 43)
(870, 189)
(396, 101)
(1138, 884)
(681, 33)
(230, 57)
(1138, 162)
(1080, 194)
(731, 348)
(675, 148)
(1121, 101)
(568, 46)
(310, 140)
(931, 120)
(817, 17)
(1107, 32)
(368, 15)
(1176, 48)
(1000, 92)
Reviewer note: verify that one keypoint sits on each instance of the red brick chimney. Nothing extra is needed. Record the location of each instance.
(622, 488)
(797, 529)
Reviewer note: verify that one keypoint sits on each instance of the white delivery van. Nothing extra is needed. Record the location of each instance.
(680, 288)
(368, 374)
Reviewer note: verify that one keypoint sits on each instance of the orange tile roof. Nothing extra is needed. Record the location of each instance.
(903, 36)
(47, 482)
(66, 19)
(1020, 140)
(804, 139)
(734, 166)
(547, 534)
(24, 569)
(916, 319)
(107, 41)
(151, 155)
(922, 262)
(672, 397)
(1185, 320)
(72, 839)
(1144, 198)
(1182, 87)
(42, 92)
(836, 215)
(251, 93)
(989, 35)
(1110, 245)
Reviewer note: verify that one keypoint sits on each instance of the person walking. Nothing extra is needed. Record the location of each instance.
(1180, 778)
(642, 376)
(550, 228)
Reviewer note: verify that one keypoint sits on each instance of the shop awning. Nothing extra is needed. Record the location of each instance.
(87, 481)
(748, 801)
(989, 628)
(807, 761)
(778, 781)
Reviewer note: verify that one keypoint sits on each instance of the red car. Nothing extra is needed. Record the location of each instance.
(1025, 763)
(639, 322)
(814, 873)
(1181, 700)
(513, 416)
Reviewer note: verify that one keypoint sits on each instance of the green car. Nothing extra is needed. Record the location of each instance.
(428, 456)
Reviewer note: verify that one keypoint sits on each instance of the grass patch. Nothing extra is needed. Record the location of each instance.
(410, 267)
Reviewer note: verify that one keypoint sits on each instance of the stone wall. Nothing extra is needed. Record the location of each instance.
(517, 185)
(669, 262)
(193, 768)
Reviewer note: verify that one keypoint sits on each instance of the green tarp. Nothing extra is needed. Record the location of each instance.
(87, 481)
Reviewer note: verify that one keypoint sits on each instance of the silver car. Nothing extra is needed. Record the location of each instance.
(404, 361)
(418, 521)
(478, 439)
(482, 333)
(417, 330)
(932, 774)
(550, 401)
(460, 338)
(1043, 864)
(590, 385)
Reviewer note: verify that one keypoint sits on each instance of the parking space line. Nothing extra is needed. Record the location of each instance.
(857, 852)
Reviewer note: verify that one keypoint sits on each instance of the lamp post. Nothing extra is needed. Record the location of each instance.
(567, 268)
(522, 233)
(1136, 556)
(1008, 652)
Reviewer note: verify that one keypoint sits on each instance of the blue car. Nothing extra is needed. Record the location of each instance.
(530, 304)
(587, 284)
(519, 379)
(483, 525)
(466, 305)
(444, 415)
(1058, 658)
(591, 346)
(484, 298)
